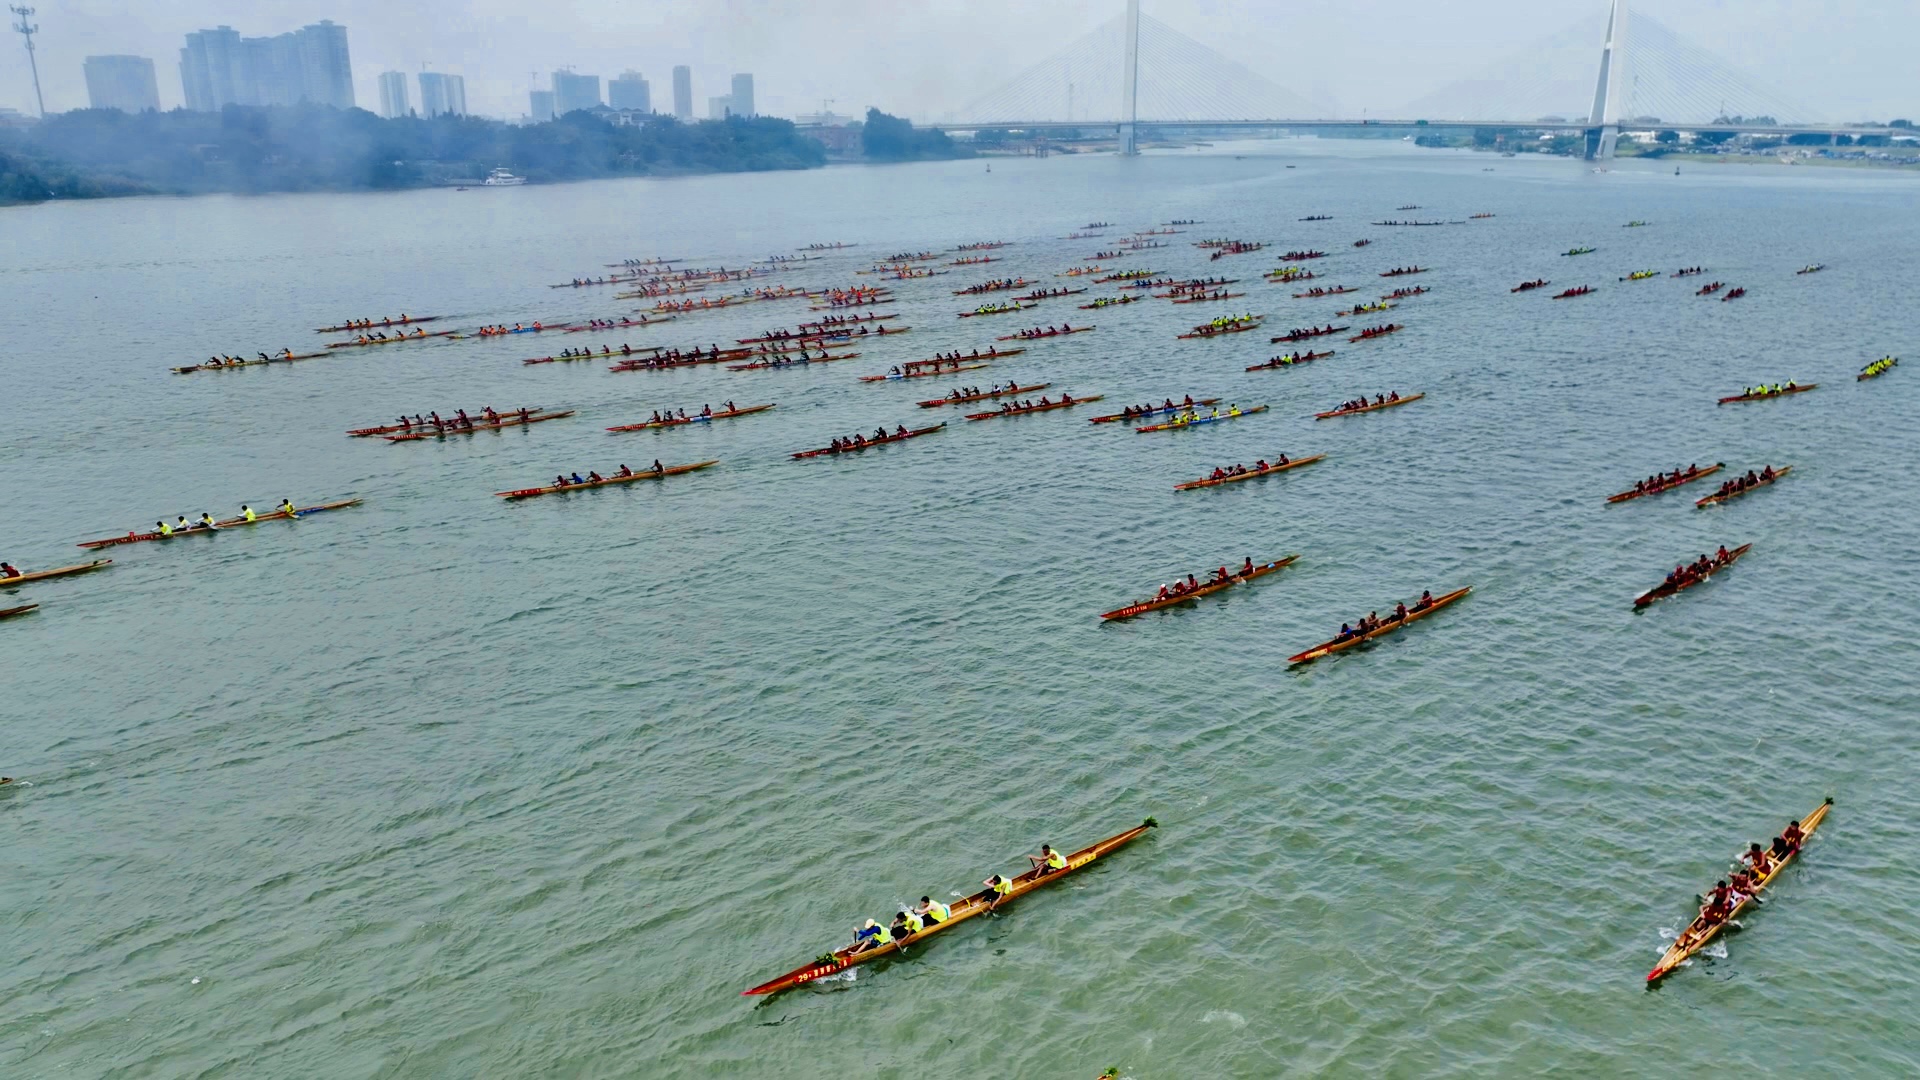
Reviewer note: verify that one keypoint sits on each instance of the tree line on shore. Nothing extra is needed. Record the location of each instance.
(97, 153)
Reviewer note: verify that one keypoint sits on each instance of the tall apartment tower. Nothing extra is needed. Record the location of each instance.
(218, 68)
(571, 92)
(743, 95)
(122, 82)
(208, 64)
(683, 92)
(325, 68)
(630, 91)
(393, 95)
(540, 106)
(442, 94)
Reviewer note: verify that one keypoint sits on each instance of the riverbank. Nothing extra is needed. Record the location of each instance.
(102, 153)
(105, 153)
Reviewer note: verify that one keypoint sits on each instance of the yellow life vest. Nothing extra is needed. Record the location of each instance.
(913, 924)
(1056, 861)
(166, 529)
(1004, 887)
(250, 514)
(938, 913)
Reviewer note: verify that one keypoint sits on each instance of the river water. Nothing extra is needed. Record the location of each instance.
(446, 786)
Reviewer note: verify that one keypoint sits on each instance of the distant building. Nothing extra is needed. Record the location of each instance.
(719, 108)
(683, 92)
(823, 119)
(540, 103)
(442, 94)
(325, 68)
(742, 95)
(630, 92)
(122, 82)
(393, 95)
(572, 92)
(218, 68)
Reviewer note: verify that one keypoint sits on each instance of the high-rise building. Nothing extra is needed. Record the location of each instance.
(207, 67)
(540, 106)
(122, 82)
(572, 92)
(218, 68)
(630, 91)
(683, 92)
(742, 95)
(326, 68)
(719, 108)
(442, 94)
(393, 95)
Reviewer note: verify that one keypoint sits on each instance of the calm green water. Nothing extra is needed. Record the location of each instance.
(441, 786)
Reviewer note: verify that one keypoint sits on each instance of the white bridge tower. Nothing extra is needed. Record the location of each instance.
(1130, 82)
(1603, 132)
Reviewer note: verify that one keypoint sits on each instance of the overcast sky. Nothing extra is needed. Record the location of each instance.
(931, 57)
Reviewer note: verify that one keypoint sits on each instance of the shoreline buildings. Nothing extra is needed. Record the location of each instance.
(218, 68)
(126, 83)
(630, 93)
(683, 93)
(393, 95)
(442, 94)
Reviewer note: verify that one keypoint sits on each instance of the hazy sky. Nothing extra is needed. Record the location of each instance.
(926, 59)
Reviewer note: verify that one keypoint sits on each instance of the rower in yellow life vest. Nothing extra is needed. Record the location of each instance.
(247, 513)
(163, 528)
(1001, 888)
(932, 912)
(286, 508)
(871, 936)
(206, 521)
(905, 925)
(1048, 860)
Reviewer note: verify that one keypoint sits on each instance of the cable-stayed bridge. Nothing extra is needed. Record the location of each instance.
(1626, 69)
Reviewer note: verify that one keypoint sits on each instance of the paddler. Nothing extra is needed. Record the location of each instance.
(1001, 889)
(1757, 858)
(1793, 835)
(182, 525)
(658, 469)
(1048, 860)
(163, 528)
(286, 507)
(933, 913)
(871, 936)
(905, 925)
(7, 570)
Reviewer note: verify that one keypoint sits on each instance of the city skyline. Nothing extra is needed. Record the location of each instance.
(935, 61)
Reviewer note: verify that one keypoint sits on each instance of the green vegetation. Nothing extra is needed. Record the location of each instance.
(889, 138)
(92, 153)
(26, 179)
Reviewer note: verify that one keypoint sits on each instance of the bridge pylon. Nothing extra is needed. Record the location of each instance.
(1603, 134)
(1130, 83)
